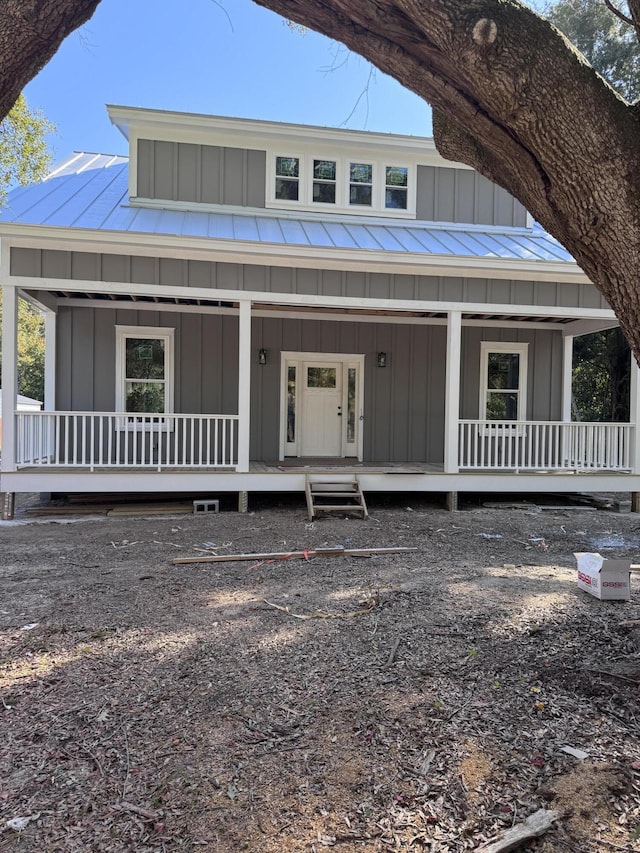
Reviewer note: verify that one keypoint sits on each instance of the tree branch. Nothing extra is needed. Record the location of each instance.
(31, 31)
(618, 13)
(634, 10)
(515, 100)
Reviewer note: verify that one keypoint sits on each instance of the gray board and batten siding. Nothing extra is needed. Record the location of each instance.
(464, 196)
(211, 174)
(212, 275)
(403, 403)
(205, 174)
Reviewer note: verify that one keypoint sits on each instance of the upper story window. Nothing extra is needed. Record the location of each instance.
(324, 181)
(396, 184)
(361, 184)
(344, 184)
(287, 186)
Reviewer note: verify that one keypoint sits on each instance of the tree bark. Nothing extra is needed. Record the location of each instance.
(511, 97)
(516, 101)
(31, 31)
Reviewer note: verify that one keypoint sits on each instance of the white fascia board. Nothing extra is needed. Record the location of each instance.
(138, 123)
(287, 255)
(302, 300)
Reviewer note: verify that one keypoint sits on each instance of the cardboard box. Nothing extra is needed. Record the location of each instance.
(605, 579)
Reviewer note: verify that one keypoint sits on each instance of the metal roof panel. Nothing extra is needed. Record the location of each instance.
(90, 191)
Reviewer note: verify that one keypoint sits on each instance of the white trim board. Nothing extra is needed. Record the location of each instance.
(285, 481)
(302, 300)
(136, 122)
(288, 255)
(313, 214)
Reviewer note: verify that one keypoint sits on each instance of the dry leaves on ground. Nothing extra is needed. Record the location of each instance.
(153, 707)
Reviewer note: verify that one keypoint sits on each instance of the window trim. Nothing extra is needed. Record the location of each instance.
(519, 349)
(166, 334)
(343, 160)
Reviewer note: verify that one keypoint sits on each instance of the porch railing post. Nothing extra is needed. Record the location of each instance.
(567, 376)
(50, 319)
(9, 369)
(634, 417)
(244, 384)
(452, 393)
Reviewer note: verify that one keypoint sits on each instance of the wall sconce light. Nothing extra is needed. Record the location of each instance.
(262, 356)
(382, 359)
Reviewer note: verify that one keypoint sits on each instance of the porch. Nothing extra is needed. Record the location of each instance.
(390, 395)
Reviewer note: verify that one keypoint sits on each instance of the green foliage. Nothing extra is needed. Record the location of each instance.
(24, 151)
(601, 369)
(610, 45)
(25, 158)
(30, 350)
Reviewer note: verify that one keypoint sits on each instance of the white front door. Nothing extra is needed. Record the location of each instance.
(322, 400)
(321, 409)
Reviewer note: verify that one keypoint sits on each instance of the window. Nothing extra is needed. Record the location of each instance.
(321, 377)
(361, 183)
(340, 183)
(503, 381)
(144, 370)
(288, 178)
(396, 183)
(324, 181)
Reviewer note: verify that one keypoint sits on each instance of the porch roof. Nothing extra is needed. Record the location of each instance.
(90, 191)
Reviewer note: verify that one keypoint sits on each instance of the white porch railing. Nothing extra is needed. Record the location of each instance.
(544, 446)
(126, 440)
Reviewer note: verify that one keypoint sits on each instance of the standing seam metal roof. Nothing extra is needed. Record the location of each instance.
(90, 191)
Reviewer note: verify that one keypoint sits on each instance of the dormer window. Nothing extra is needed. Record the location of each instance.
(361, 184)
(288, 178)
(342, 183)
(396, 184)
(324, 181)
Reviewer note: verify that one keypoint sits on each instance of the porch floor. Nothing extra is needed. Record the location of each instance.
(311, 465)
(320, 465)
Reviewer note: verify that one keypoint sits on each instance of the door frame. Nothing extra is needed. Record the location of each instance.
(348, 360)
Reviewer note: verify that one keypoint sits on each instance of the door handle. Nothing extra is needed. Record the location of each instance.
(339, 411)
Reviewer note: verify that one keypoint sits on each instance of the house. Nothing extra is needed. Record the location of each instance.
(238, 303)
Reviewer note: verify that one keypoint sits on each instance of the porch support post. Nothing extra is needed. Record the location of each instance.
(244, 384)
(452, 392)
(567, 376)
(634, 416)
(9, 373)
(50, 321)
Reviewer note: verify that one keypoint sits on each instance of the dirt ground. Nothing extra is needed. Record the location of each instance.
(417, 701)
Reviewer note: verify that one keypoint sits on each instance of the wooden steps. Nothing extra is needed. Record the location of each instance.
(326, 493)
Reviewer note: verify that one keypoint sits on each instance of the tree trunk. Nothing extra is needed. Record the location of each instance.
(31, 31)
(511, 98)
(516, 101)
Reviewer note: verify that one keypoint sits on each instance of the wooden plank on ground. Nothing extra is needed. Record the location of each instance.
(294, 555)
(535, 825)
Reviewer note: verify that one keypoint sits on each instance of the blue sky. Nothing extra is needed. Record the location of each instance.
(201, 56)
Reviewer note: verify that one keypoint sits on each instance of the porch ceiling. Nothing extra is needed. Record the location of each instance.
(166, 302)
